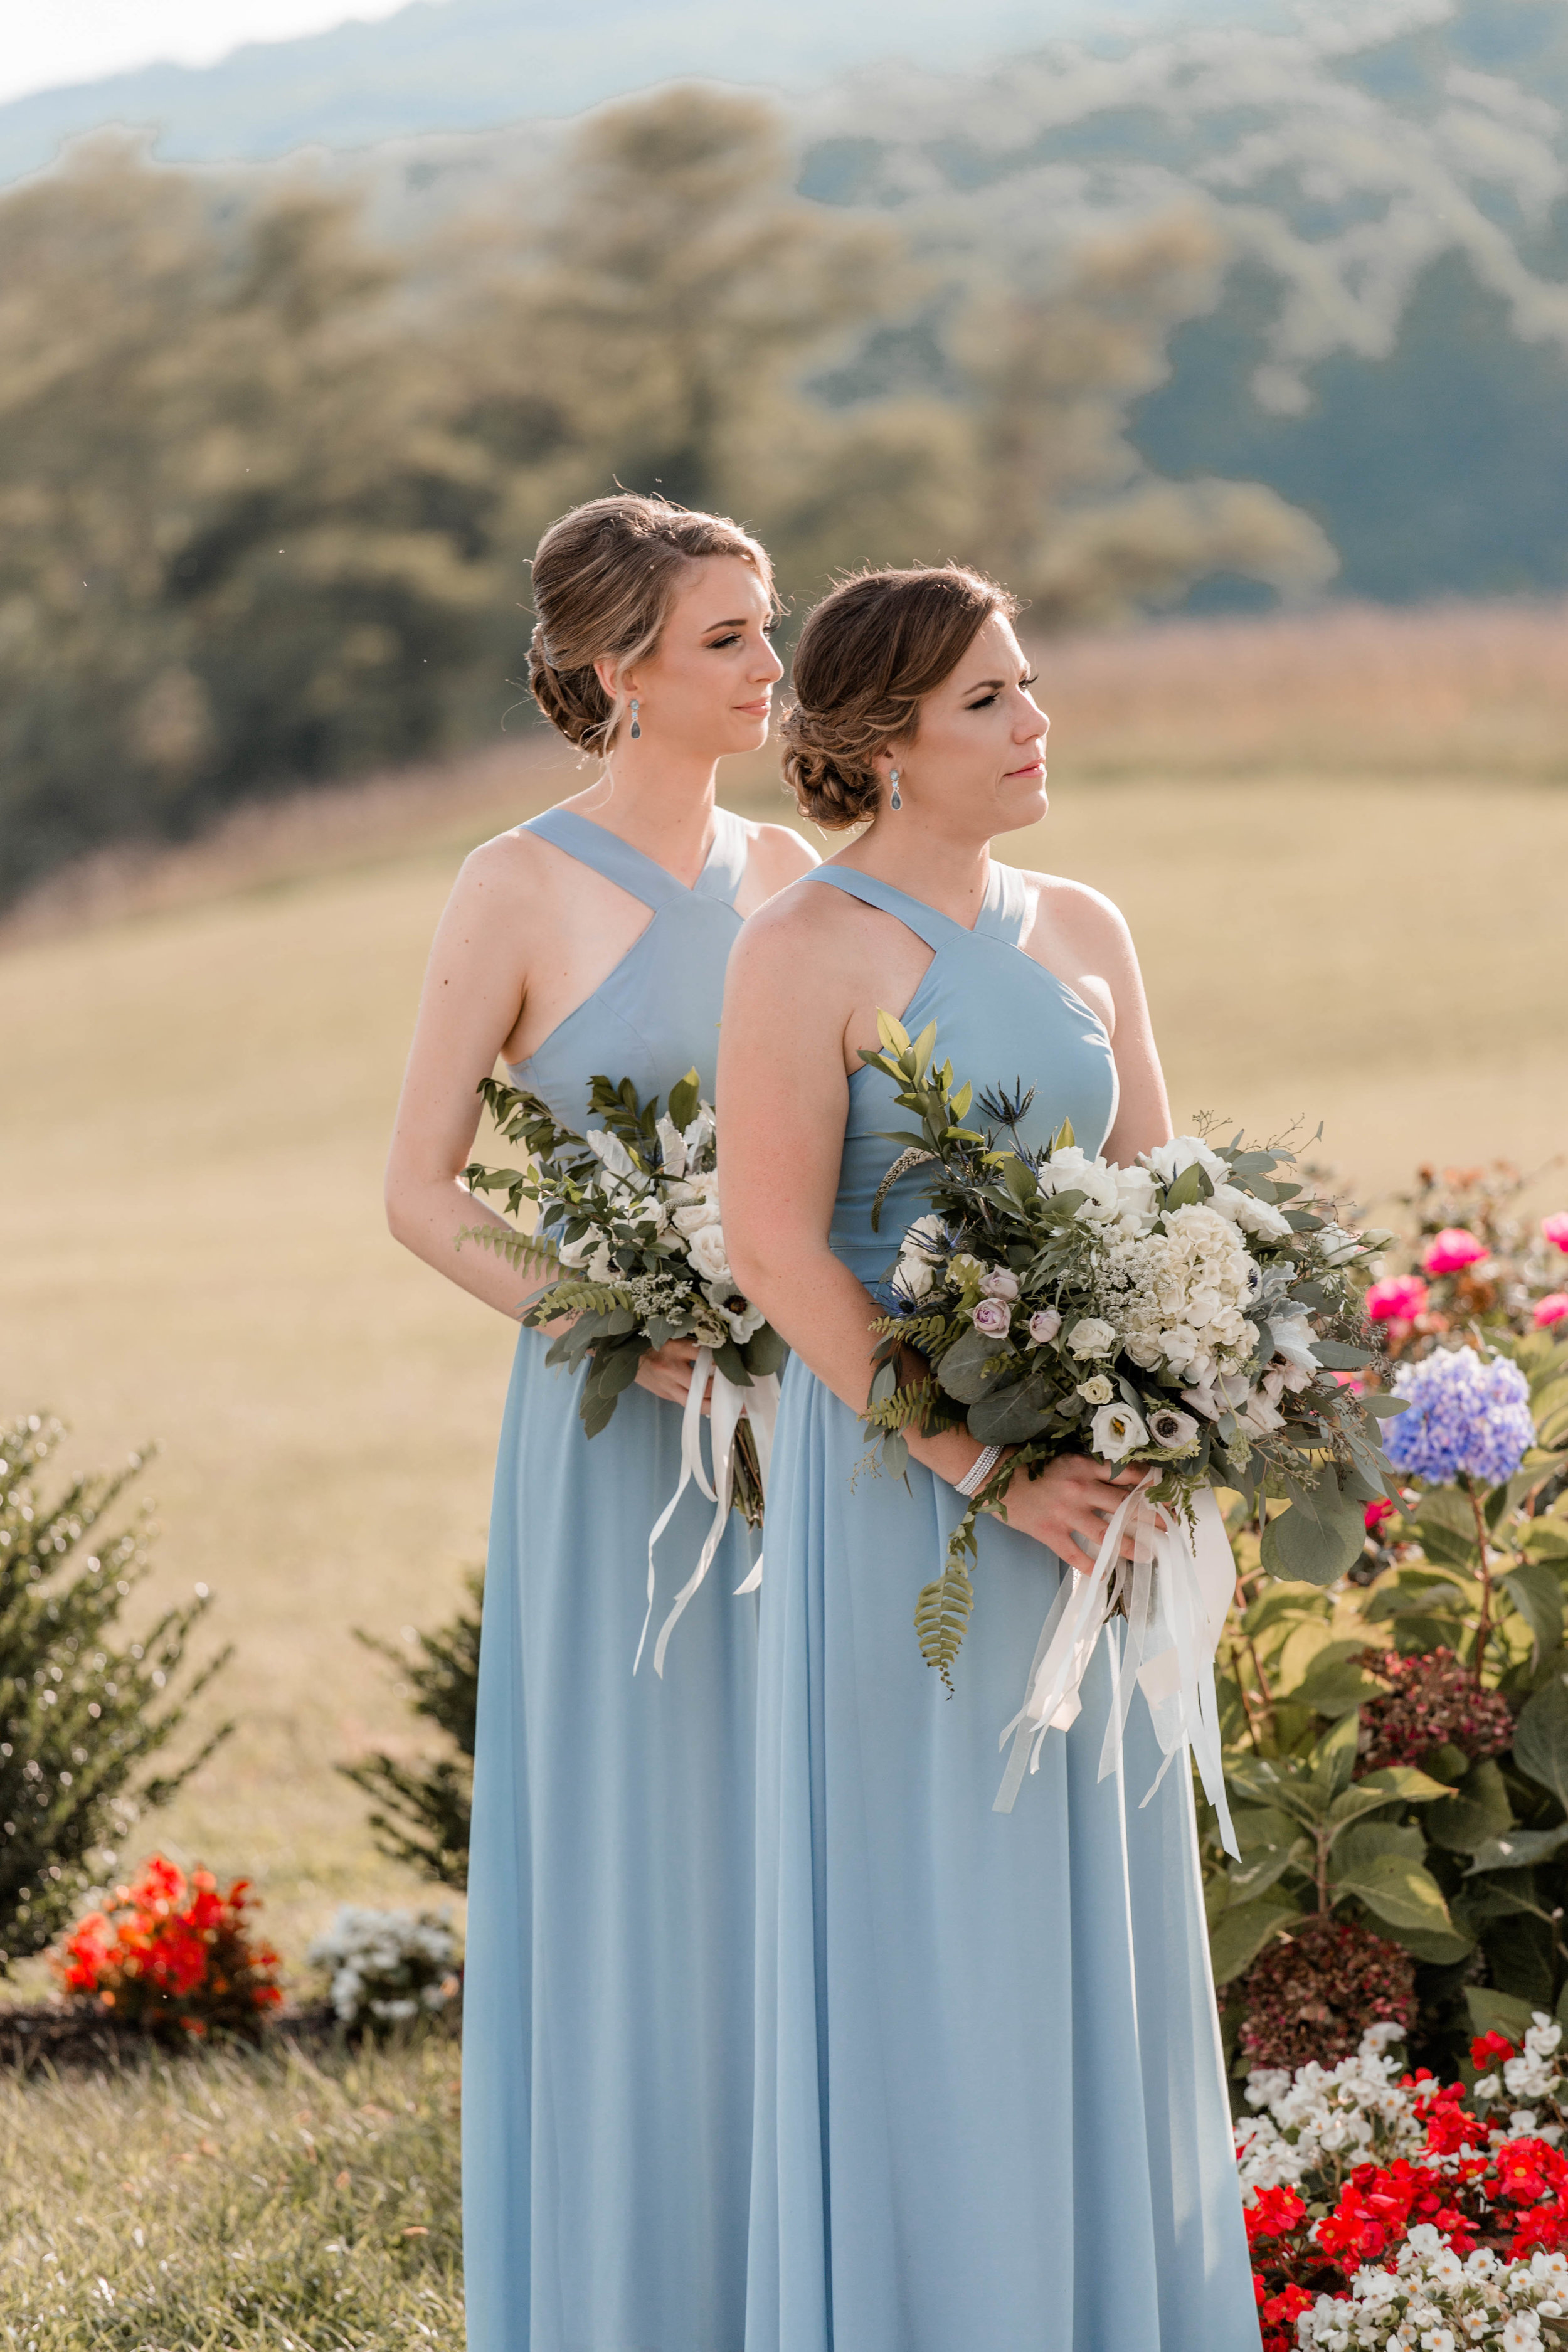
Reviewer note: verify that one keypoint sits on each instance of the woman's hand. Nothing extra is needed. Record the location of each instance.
(667, 1371)
(1069, 1507)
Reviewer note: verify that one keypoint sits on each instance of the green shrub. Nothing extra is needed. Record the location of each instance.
(423, 1810)
(83, 1710)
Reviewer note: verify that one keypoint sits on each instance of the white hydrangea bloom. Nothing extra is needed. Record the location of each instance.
(386, 1964)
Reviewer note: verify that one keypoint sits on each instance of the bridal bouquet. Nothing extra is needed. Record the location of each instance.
(1180, 1314)
(628, 1221)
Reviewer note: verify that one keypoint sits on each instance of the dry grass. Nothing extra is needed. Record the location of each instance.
(196, 1097)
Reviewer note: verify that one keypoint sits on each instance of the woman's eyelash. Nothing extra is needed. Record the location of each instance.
(1033, 679)
(983, 704)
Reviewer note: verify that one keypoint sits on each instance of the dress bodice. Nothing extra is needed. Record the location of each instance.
(656, 1015)
(1001, 1019)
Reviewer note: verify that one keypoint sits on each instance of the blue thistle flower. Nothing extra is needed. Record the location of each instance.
(1469, 1417)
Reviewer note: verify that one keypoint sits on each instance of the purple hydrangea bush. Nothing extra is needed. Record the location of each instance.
(1469, 1418)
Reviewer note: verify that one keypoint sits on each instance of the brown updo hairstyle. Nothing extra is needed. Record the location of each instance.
(604, 577)
(867, 656)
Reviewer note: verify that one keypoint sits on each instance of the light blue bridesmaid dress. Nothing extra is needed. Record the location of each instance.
(990, 2103)
(607, 1996)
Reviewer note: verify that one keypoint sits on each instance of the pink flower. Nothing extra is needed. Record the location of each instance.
(1551, 1310)
(1555, 1228)
(1375, 1513)
(1400, 1300)
(992, 1318)
(1452, 1250)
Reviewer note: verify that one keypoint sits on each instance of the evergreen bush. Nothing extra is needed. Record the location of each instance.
(423, 1809)
(83, 1710)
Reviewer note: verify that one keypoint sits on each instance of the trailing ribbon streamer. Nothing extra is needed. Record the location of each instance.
(759, 1403)
(1177, 1588)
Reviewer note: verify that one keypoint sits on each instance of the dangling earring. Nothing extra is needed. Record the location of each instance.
(897, 799)
(636, 722)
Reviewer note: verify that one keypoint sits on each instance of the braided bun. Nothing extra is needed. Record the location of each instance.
(604, 579)
(867, 658)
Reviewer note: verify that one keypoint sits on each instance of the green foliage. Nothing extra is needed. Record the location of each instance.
(1459, 1852)
(268, 488)
(423, 1810)
(84, 1711)
(237, 2199)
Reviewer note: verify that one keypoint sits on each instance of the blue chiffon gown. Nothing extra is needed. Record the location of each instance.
(607, 1995)
(990, 2099)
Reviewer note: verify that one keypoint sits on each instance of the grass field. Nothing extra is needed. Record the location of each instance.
(1337, 918)
(229, 2203)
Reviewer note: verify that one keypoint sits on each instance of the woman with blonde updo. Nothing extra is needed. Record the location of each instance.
(607, 1997)
(990, 2099)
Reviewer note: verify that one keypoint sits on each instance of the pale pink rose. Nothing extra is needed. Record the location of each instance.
(1400, 1300)
(1555, 1228)
(1551, 1310)
(1000, 1283)
(1044, 1325)
(1452, 1250)
(992, 1318)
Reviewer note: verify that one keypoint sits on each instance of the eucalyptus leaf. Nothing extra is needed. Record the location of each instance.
(764, 1352)
(1011, 1416)
(1383, 1404)
(1339, 1356)
(1315, 1551)
(973, 1366)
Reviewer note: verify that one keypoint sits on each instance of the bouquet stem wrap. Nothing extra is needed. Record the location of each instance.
(759, 1403)
(1176, 1589)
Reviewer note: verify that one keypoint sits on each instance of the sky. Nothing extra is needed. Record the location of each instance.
(80, 40)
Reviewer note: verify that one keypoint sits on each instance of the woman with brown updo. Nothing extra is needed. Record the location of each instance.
(607, 1994)
(990, 2099)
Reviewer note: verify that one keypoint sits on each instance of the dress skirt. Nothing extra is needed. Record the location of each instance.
(607, 1995)
(991, 2113)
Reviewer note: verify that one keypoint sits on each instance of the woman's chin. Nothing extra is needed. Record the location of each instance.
(1025, 804)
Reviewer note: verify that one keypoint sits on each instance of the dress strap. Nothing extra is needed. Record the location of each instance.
(721, 877)
(926, 922)
(1006, 913)
(638, 876)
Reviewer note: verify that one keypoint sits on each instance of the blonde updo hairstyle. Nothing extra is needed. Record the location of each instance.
(868, 655)
(604, 578)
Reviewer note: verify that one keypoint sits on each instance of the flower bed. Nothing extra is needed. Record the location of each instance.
(1388, 2213)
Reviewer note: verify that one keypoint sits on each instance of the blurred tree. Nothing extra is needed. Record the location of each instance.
(1065, 512)
(235, 546)
(423, 1810)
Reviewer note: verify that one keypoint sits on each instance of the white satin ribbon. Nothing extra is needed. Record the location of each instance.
(1178, 1587)
(759, 1402)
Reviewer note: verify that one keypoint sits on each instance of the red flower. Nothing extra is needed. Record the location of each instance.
(1273, 2213)
(1490, 2050)
(172, 1952)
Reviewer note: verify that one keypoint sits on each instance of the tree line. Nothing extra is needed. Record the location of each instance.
(269, 486)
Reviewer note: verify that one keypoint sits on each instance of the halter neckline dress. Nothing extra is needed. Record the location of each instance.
(991, 2113)
(607, 2018)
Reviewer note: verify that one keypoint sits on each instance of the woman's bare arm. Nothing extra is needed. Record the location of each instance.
(784, 1100)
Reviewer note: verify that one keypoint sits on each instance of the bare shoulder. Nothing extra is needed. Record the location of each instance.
(801, 927)
(1093, 923)
(511, 875)
(778, 854)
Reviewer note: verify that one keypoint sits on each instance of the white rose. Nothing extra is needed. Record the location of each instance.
(705, 1248)
(578, 1252)
(1134, 1195)
(1260, 1218)
(1092, 1337)
(925, 1233)
(1071, 1171)
(1337, 1246)
(1000, 1283)
(692, 1216)
(1115, 1430)
(1169, 1160)
(915, 1277)
(1095, 1390)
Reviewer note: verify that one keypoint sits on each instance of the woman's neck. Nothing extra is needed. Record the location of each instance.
(663, 806)
(950, 874)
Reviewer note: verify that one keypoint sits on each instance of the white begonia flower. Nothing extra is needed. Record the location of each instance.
(1000, 1283)
(705, 1248)
(1169, 1160)
(1096, 1390)
(1115, 1430)
(673, 1144)
(1044, 1325)
(1091, 1337)
(1261, 1219)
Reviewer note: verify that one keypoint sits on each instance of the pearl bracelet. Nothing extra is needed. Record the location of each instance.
(978, 1472)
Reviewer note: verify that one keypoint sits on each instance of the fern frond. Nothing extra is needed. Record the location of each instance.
(587, 1299)
(942, 1616)
(525, 1253)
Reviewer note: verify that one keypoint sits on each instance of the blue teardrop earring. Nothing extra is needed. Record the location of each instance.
(896, 800)
(636, 722)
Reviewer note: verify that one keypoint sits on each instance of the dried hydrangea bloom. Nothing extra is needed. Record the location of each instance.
(1432, 1701)
(1313, 1993)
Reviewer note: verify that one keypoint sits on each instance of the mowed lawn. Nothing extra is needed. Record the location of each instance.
(195, 1104)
